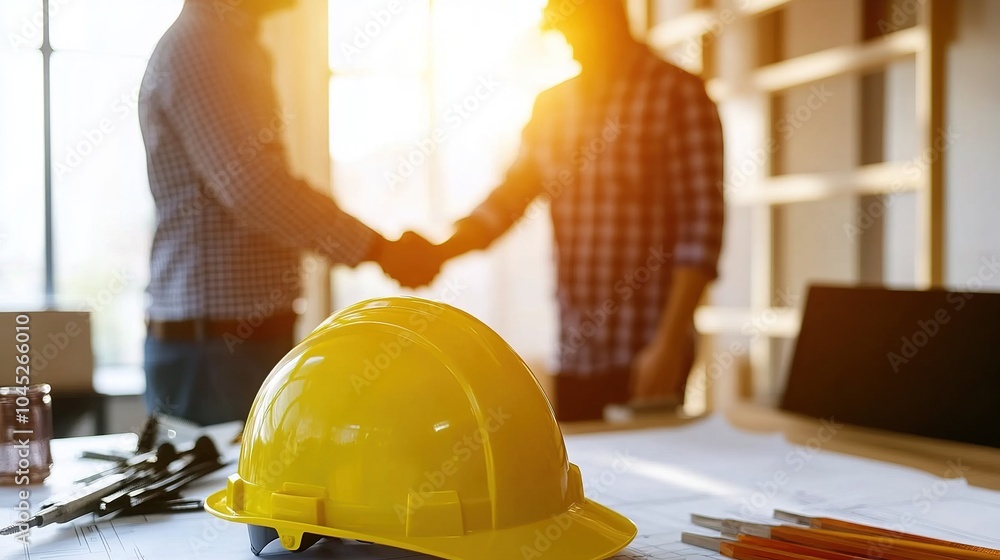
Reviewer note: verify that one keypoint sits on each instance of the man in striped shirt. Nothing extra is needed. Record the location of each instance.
(231, 220)
(629, 156)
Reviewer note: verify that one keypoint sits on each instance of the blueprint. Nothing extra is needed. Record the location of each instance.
(655, 477)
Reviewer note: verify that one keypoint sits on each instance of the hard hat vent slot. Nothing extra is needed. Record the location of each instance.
(434, 514)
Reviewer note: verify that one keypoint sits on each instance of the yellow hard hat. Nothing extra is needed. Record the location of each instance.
(411, 424)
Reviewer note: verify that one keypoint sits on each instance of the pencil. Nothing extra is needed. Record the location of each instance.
(751, 540)
(849, 527)
(742, 551)
(887, 548)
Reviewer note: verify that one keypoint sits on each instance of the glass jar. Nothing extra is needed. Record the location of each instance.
(25, 433)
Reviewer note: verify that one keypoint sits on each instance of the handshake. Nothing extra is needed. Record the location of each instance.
(414, 262)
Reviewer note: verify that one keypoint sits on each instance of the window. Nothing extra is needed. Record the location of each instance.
(95, 254)
(427, 102)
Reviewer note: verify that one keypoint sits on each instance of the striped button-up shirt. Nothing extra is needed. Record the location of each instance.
(231, 221)
(632, 170)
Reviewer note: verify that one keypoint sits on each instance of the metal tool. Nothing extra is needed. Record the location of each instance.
(165, 453)
(141, 480)
(204, 459)
(731, 528)
(178, 505)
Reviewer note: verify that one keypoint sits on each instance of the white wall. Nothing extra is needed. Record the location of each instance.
(972, 198)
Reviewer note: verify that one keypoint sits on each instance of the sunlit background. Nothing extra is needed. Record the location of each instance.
(425, 108)
(102, 213)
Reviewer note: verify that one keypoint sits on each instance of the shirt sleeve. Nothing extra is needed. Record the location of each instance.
(230, 127)
(697, 159)
(521, 185)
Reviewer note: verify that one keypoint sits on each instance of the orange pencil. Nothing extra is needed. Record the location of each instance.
(742, 551)
(849, 527)
(872, 546)
(795, 548)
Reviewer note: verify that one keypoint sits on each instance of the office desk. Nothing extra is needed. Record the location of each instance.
(655, 475)
(929, 455)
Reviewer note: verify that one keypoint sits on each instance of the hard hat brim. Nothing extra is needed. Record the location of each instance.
(587, 531)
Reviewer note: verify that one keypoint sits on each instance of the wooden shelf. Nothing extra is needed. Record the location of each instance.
(838, 61)
(881, 178)
(760, 7)
(753, 90)
(676, 30)
(692, 25)
(778, 322)
(829, 63)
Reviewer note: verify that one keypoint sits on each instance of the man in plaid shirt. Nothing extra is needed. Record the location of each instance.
(232, 221)
(629, 156)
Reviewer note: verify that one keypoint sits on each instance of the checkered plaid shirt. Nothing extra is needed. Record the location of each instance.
(231, 221)
(633, 173)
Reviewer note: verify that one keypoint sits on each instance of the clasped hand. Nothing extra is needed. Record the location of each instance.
(412, 260)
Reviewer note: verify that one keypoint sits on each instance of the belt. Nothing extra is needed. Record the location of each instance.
(269, 328)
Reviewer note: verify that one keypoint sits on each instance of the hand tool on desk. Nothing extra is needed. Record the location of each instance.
(860, 545)
(850, 527)
(87, 498)
(111, 481)
(742, 551)
(68, 507)
(164, 454)
(147, 441)
(202, 461)
(110, 456)
(177, 505)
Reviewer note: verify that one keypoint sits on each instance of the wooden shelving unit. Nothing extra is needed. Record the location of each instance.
(758, 87)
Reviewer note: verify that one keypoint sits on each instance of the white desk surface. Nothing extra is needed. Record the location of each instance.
(656, 476)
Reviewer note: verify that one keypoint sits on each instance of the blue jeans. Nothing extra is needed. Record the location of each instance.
(205, 382)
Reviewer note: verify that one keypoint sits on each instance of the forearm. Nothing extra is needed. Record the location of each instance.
(470, 235)
(292, 213)
(689, 284)
(497, 214)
